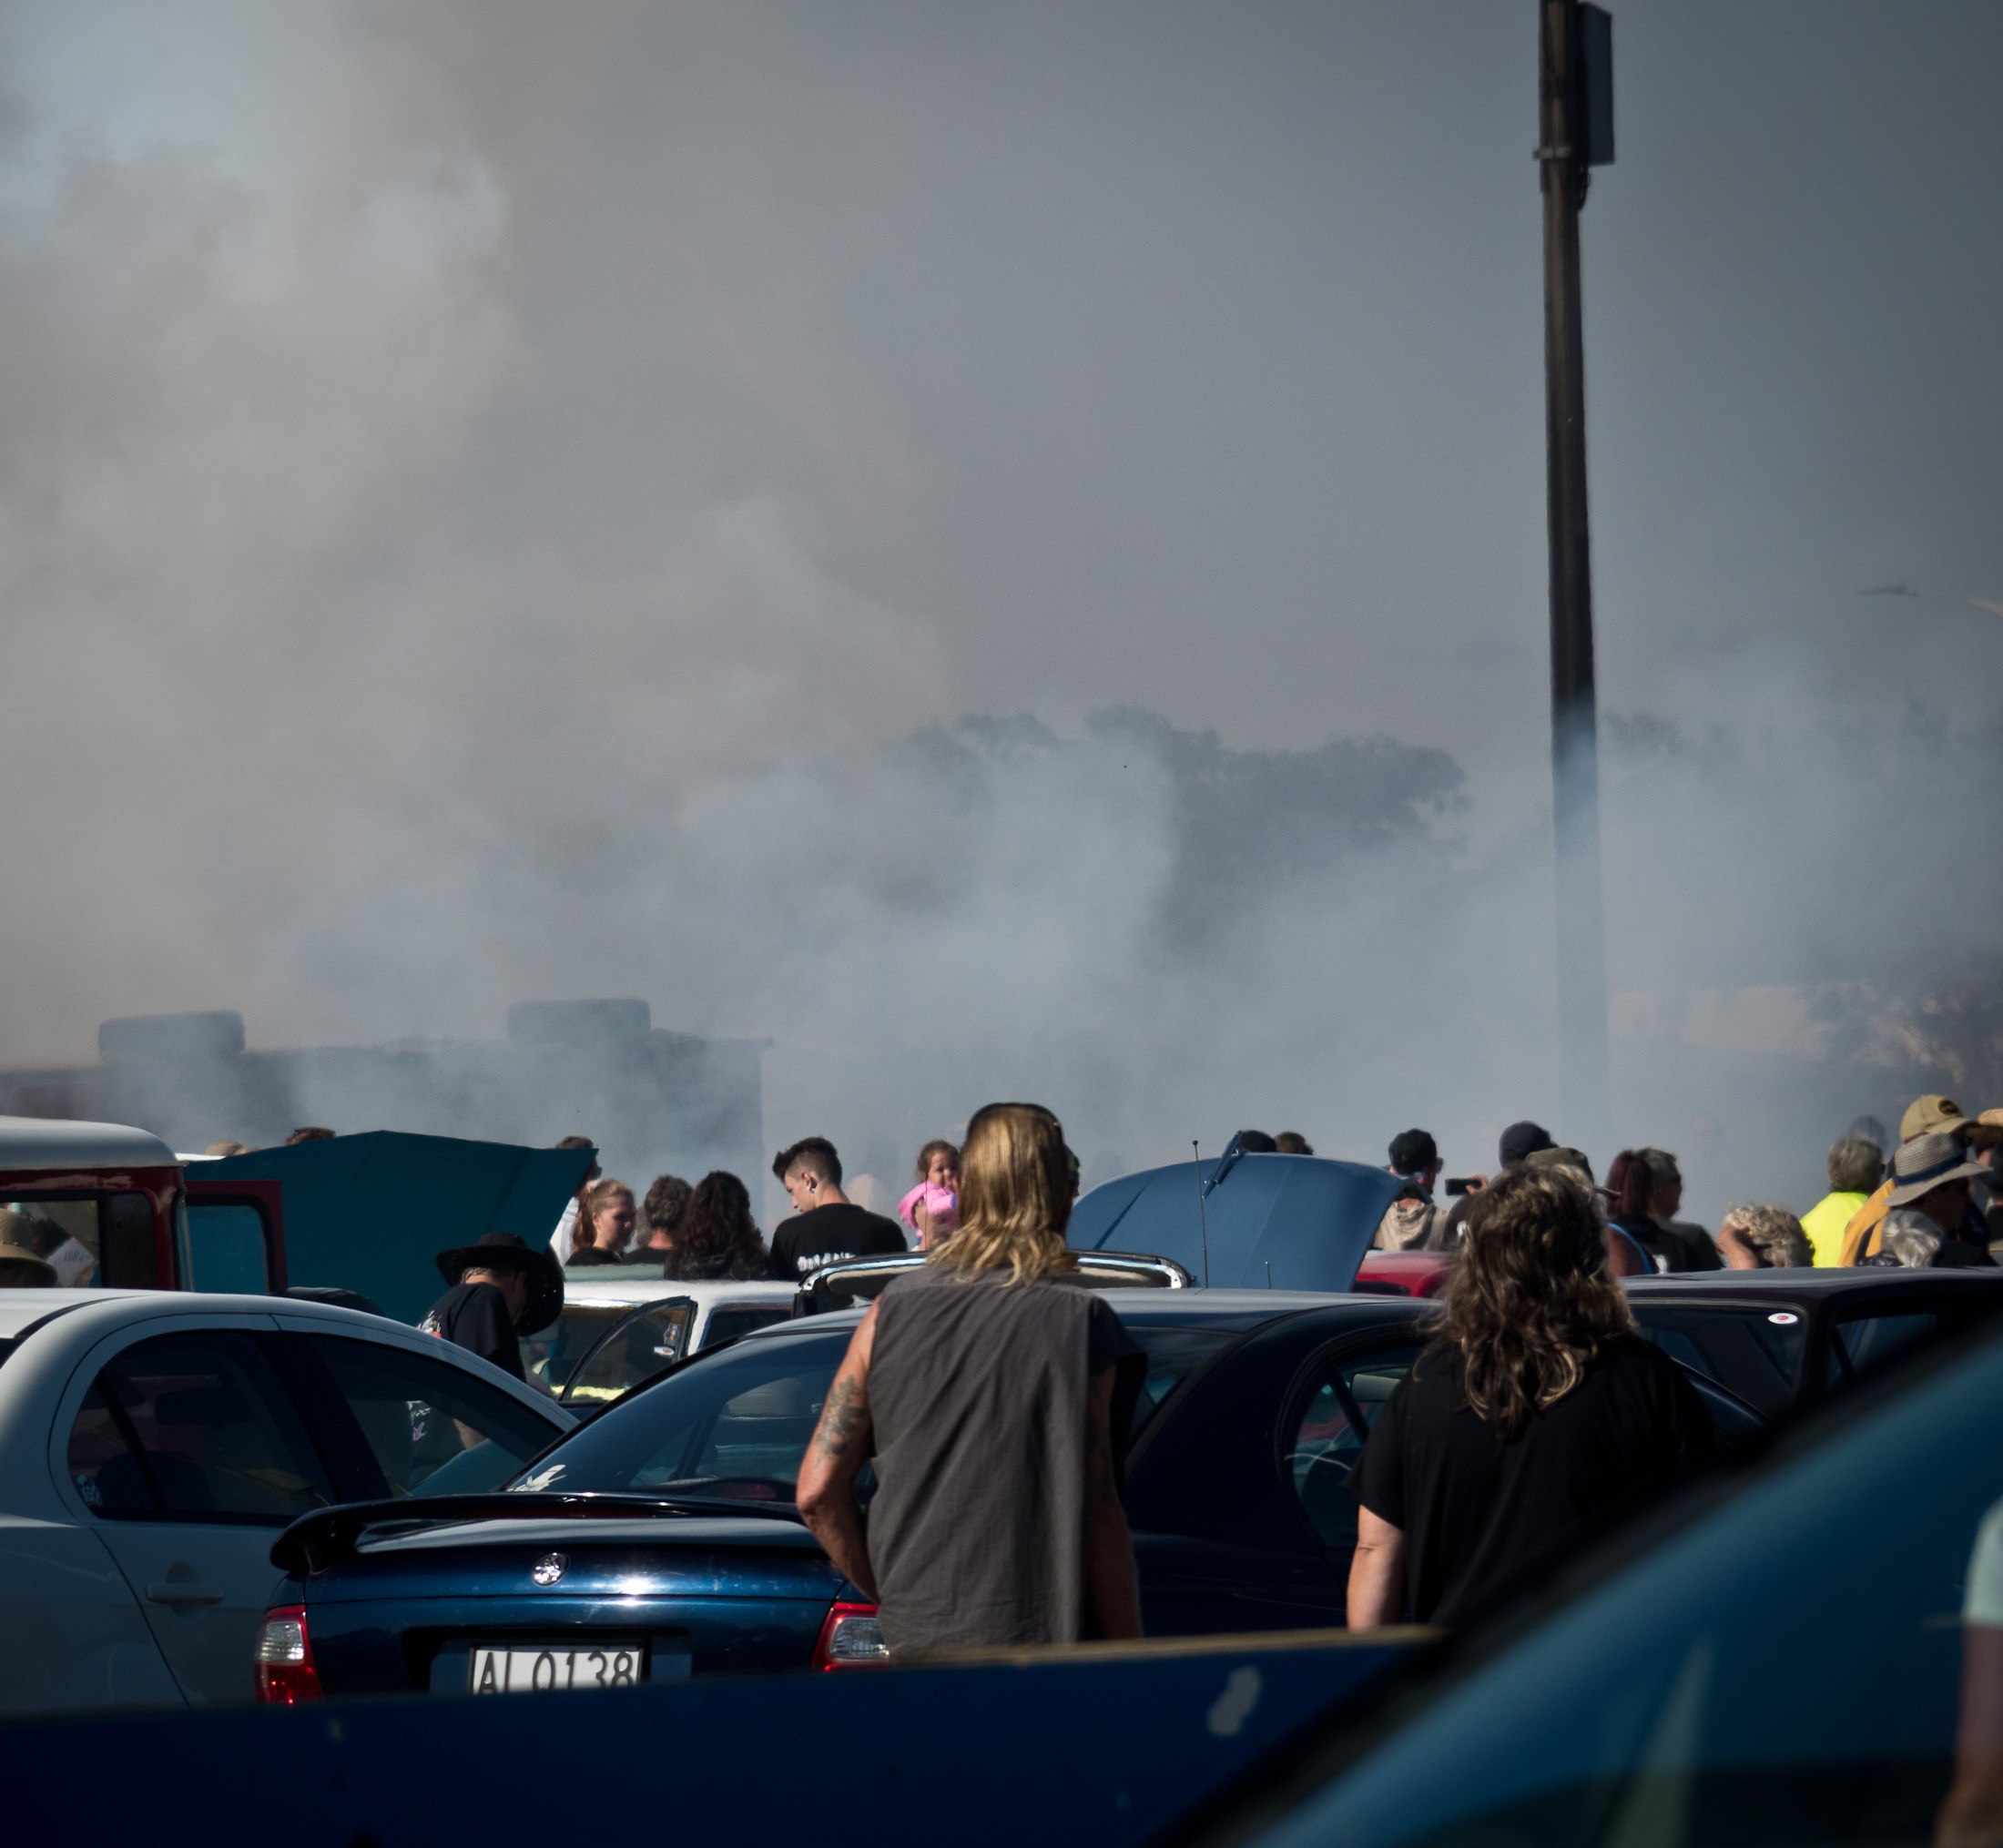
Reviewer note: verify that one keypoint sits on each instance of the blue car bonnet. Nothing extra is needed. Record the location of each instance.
(370, 1213)
(1310, 1220)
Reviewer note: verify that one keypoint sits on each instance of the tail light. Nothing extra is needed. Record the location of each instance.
(286, 1674)
(852, 1637)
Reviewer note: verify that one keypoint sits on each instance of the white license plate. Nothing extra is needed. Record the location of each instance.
(539, 1670)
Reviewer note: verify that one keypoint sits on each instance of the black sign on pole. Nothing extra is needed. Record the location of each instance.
(1575, 116)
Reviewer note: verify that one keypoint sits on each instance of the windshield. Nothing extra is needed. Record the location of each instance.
(574, 1351)
(1753, 1350)
(1786, 1668)
(737, 1425)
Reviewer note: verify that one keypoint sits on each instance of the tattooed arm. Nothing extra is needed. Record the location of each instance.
(1109, 1560)
(841, 1447)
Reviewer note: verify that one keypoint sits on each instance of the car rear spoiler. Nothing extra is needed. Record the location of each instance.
(849, 1281)
(329, 1535)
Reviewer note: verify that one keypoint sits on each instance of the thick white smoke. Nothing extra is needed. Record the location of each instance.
(498, 506)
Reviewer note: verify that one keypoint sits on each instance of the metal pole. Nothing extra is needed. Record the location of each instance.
(1586, 1116)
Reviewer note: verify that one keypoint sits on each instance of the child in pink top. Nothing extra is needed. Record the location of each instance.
(933, 1206)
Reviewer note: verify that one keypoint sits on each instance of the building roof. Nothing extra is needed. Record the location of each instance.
(33, 1142)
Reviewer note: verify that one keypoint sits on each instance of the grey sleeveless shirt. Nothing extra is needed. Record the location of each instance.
(980, 1399)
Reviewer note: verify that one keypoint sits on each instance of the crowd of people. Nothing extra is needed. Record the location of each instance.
(708, 1231)
(1920, 1209)
(991, 1395)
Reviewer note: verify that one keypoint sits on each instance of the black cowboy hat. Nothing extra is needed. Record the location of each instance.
(503, 1250)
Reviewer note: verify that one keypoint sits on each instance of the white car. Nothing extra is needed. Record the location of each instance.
(618, 1328)
(153, 1445)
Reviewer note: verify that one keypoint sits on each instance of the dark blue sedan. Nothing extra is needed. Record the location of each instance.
(659, 1540)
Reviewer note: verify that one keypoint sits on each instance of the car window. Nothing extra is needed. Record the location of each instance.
(741, 1318)
(1862, 1344)
(226, 1247)
(99, 1239)
(638, 1349)
(1173, 1355)
(1755, 1350)
(430, 1425)
(552, 1355)
(734, 1426)
(1334, 1410)
(1786, 1667)
(194, 1427)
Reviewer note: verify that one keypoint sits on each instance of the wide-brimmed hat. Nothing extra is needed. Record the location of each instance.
(1559, 1157)
(504, 1251)
(1929, 1161)
(22, 1267)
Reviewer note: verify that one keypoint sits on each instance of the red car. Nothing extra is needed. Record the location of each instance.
(1404, 1272)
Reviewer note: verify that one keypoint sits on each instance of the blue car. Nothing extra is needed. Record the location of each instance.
(659, 1540)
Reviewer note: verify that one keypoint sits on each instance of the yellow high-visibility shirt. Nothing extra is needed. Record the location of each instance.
(1826, 1221)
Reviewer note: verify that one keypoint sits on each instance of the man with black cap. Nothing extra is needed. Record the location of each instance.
(500, 1289)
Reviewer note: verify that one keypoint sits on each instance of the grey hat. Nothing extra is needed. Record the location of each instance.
(1929, 1161)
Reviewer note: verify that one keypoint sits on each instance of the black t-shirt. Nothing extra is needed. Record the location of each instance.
(475, 1316)
(1681, 1250)
(840, 1230)
(594, 1254)
(1482, 1518)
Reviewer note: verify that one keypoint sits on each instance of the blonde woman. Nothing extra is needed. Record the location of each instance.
(990, 1388)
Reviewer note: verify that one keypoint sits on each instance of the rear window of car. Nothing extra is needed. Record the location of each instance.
(1173, 1355)
(734, 1427)
(1755, 1350)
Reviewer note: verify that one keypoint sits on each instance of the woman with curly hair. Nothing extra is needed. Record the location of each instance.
(1534, 1418)
(716, 1236)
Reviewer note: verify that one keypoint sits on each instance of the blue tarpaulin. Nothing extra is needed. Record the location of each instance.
(370, 1213)
(1310, 1220)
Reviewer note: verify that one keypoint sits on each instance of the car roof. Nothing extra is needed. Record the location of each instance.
(1235, 1310)
(1801, 1280)
(583, 1286)
(20, 1309)
(33, 1142)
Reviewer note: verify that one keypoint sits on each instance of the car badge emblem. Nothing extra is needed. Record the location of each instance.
(549, 1569)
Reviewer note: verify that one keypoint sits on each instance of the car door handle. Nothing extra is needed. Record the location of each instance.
(182, 1594)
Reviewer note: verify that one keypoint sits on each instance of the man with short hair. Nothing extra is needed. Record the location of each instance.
(1291, 1143)
(1854, 1166)
(826, 1225)
(1411, 1221)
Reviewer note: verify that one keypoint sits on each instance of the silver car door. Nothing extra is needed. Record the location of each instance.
(190, 1457)
(72, 1637)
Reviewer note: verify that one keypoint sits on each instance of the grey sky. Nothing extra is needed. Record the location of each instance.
(439, 445)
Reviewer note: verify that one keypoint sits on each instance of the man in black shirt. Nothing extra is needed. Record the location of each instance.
(500, 1289)
(826, 1225)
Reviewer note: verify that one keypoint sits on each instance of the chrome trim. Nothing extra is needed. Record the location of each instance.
(1119, 1270)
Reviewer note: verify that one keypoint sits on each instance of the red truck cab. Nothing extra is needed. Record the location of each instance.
(112, 1207)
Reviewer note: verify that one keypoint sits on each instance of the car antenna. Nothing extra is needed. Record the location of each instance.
(1202, 1227)
(1269, 1274)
